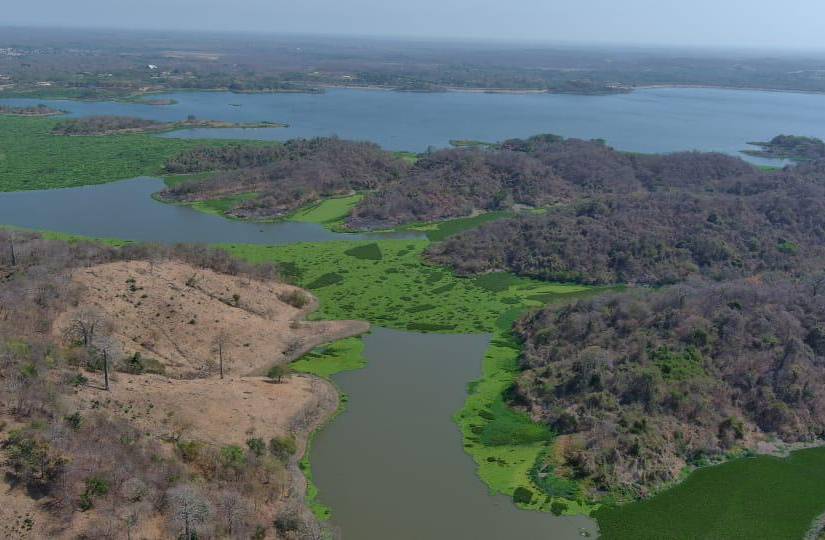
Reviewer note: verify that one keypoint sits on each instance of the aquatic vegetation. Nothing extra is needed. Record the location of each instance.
(31, 157)
(398, 290)
(762, 498)
(344, 355)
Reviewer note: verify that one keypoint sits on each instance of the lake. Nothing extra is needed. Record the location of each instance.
(392, 465)
(125, 210)
(647, 120)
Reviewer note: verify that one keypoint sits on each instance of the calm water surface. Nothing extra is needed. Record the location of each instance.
(126, 210)
(392, 466)
(648, 120)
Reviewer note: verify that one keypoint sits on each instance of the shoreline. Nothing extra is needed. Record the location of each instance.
(629, 89)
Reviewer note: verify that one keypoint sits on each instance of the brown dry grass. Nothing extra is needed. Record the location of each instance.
(172, 312)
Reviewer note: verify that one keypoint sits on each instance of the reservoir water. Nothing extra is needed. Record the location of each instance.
(647, 120)
(392, 465)
(125, 210)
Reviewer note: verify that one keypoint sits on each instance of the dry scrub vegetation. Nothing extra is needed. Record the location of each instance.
(129, 405)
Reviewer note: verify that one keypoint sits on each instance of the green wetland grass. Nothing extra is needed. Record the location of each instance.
(31, 157)
(758, 498)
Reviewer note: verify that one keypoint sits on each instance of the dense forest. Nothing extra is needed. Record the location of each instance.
(284, 177)
(691, 214)
(640, 384)
(117, 125)
(32, 110)
(517, 174)
(98, 474)
(103, 125)
(790, 147)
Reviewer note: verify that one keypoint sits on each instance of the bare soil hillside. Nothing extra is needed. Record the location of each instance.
(174, 313)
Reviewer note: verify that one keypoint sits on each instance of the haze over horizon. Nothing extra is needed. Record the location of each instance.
(707, 23)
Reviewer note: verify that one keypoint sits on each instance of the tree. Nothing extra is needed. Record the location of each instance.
(83, 324)
(11, 249)
(220, 344)
(107, 346)
(278, 372)
(190, 510)
(233, 509)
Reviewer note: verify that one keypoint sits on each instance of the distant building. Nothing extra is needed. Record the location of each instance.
(152, 66)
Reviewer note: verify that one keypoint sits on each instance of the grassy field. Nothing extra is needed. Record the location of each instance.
(219, 207)
(328, 212)
(762, 498)
(442, 229)
(32, 158)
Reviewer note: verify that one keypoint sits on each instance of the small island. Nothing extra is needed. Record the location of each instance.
(119, 125)
(34, 110)
(789, 147)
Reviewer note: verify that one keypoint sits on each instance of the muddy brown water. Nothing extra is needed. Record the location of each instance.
(392, 465)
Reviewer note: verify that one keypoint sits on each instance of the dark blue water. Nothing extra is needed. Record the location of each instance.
(125, 210)
(648, 120)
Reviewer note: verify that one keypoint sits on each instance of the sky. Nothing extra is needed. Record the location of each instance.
(790, 24)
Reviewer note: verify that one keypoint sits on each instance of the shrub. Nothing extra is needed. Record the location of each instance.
(283, 447)
(190, 451)
(294, 298)
(522, 495)
(256, 445)
(277, 373)
(74, 420)
(96, 486)
(558, 508)
(32, 461)
(233, 456)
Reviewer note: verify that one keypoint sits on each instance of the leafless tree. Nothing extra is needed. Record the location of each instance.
(190, 510)
(12, 256)
(108, 347)
(83, 325)
(233, 510)
(220, 344)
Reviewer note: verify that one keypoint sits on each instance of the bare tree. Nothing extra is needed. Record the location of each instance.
(233, 510)
(83, 325)
(190, 510)
(108, 347)
(220, 344)
(11, 249)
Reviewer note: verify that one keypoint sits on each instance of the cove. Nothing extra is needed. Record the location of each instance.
(392, 464)
(125, 210)
(647, 120)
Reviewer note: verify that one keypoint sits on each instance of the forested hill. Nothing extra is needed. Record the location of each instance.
(724, 227)
(540, 171)
(790, 147)
(641, 384)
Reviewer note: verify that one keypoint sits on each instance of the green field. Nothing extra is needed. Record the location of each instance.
(328, 212)
(219, 207)
(440, 230)
(762, 498)
(32, 158)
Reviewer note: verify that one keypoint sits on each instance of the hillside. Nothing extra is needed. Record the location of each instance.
(170, 431)
(641, 384)
(656, 238)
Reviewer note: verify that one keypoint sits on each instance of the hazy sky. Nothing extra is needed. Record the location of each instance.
(763, 23)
